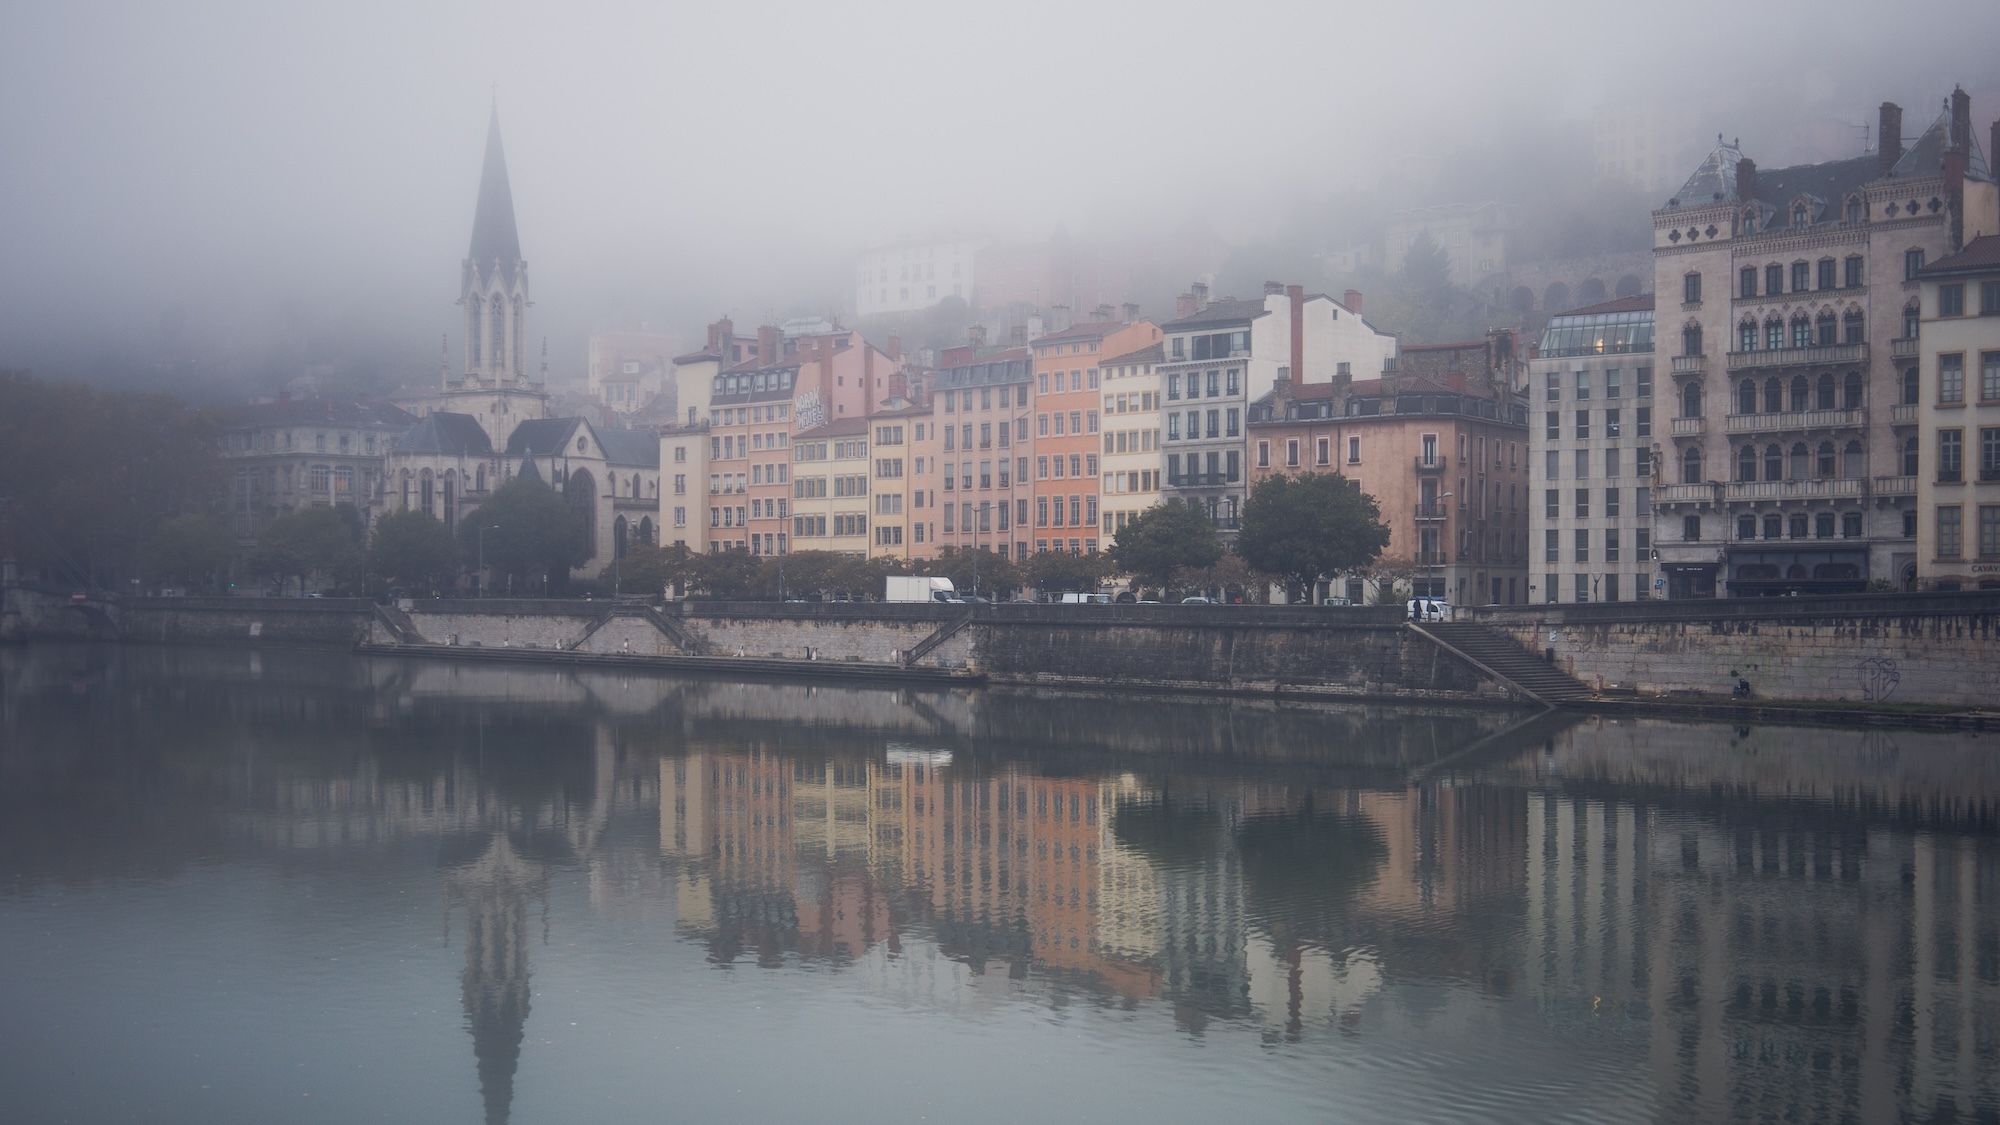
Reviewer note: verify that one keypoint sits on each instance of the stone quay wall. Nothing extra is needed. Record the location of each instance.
(1941, 649)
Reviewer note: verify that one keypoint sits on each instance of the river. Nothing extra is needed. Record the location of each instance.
(291, 886)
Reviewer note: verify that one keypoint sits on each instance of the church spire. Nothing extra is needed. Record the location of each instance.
(493, 235)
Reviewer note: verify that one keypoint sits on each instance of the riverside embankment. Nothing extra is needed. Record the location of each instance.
(1882, 655)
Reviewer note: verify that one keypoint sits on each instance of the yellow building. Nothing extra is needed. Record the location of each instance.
(830, 488)
(1131, 436)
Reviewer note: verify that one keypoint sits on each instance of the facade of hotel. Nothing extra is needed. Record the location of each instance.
(1958, 419)
(1591, 412)
(1788, 463)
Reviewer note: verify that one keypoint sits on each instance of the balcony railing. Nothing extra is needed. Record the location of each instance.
(1796, 420)
(1226, 523)
(1895, 486)
(1829, 354)
(1905, 348)
(1685, 493)
(1198, 480)
(1833, 488)
(1434, 464)
(1903, 414)
(1688, 364)
(1431, 511)
(1687, 427)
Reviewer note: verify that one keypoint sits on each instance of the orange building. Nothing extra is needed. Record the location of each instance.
(980, 412)
(1065, 405)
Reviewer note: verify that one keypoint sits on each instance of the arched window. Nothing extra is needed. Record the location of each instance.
(479, 479)
(1801, 398)
(1825, 327)
(1774, 395)
(1823, 525)
(1851, 391)
(1910, 386)
(514, 364)
(1690, 401)
(1691, 340)
(424, 484)
(451, 498)
(1825, 466)
(1746, 336)
(1691, 466)
(1824, 400)
(1746, 397)
(1910, 457)
(1746, 463)
(1910, 321)
(618, 537)
(1774, 462)
(406, 490)
(1801, 332)
(1853, 462)
(498, 334)
(646, 530)
(1800, 458)
(473, 335)
(1774, 334)
(1853, 330)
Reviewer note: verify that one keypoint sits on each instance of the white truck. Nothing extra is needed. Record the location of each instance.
(907, 589)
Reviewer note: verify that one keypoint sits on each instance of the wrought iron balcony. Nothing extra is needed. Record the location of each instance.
(1435, 464)
(1431, 511)
(1796, 420)
(1827, 354)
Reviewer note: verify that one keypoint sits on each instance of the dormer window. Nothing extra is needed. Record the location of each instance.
(1855, 211)
(1750, 221)
(1799, 215)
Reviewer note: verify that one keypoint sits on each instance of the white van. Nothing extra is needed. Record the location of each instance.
(1086, 599)
(1430, 609)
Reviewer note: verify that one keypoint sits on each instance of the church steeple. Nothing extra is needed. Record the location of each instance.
(493, 286)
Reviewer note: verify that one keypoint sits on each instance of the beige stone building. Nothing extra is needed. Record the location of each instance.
(1958, 418)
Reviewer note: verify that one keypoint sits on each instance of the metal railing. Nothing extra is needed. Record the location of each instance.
(1435, 464)
(1431, 511)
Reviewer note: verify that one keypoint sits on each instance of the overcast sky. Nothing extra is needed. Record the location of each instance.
(226, 171)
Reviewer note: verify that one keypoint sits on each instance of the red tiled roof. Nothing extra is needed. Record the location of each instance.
(1981, 253)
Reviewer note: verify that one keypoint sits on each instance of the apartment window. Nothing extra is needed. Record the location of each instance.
(1774, 334)
(1950, 536)
(1828, 270)
(1234, 422)
(1691, 289)
(1746, 527)
(1553, 380)
(1774, 527)
(1912, 319)
(1691, 529)
(1774, 279)
(1552, 470)
(1910, 458)
(1611, 382)
(1611, 424)
(1801, 332)
(1552, 503)
(1583, 425)
(1989, 531)
(1324, 451)
(1951, 300)
(1642, 421)
(1215, 423)
(1853, 328)
(1611, 503)
(1951, 456)
(1583, 503)
(1611, 545)
(1549, 588)
(1552, 546)
(1582, 544)
(1746, 336)
(1951, 377)
(1554, 425)
(1989, 376)
(1230, 377)
(1913, 261)
(1910, 523)
(1855, 279)
(1354, 451)
(1642, 381)
(1747, 283)
(1583, 464)
(1582, 385)
(1989, 454)
(1801, 276)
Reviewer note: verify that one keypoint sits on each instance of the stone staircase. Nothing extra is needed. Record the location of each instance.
(399, 625)
(1504, 657)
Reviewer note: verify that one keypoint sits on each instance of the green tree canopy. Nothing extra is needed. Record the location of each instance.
(533, 534)
(729, 575)
(649, 570)
(996, 575)
(1299, 528)
(1061, 572)
(413, 549)
(308, 542)
(190, 551)
(1163, 537)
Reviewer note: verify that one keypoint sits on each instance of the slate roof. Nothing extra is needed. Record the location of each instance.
(1714, 179)
(1151, 353)
(1088, 330)
(546, 437)
(630, 447)
(319, 412)
(1926, 156)
(1218, 312)
(1641, 303)
(493, 235)
(446, 433)
(1827, 183)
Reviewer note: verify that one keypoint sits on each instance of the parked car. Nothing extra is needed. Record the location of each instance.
(1198, 600)
(1086, 599)
(1430, 609)
(1338, 601)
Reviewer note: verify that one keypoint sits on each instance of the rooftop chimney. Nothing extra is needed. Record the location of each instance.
(720, 333)
(1961, 119)
(1273, 288)
(1298, 295)
(1131, 311)
(1352, 299)
(1746, 179)
(1058, 318)
(1281, 392)
(1184, 304)
(1017, 336)
(1200, 291)
(1888, 138)
(895, 348)
(976, 335)
(1101, 313)
(767, 344)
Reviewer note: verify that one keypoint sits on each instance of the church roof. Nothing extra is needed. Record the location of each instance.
(548, 437)
(444, 432)
(630, 447)
(318, 412)
(493, 235)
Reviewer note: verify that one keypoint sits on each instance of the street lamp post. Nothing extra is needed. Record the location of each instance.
(481, 536)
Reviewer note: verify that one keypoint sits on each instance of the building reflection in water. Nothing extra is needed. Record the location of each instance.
(1769, 923)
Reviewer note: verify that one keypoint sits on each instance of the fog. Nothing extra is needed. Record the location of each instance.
(216, 197)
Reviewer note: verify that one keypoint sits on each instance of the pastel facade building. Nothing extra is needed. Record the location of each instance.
(1067, 404)
(1958, 420)
(1130, 424)
(980, 414)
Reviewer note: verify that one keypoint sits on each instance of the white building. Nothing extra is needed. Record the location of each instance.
(912, 278)
(1958, 416)
(1133, 462)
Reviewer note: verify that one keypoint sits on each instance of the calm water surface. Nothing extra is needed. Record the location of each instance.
(299, 887)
